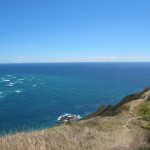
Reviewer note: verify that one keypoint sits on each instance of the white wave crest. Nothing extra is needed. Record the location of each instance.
(8, 75)
(18, 91)
(10, 85)
(75, 117)
(6, 80)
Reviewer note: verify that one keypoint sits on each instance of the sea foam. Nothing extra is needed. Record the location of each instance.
(17, 91)
(21, 79)
(11, 84)
(68, 114)
(6, 80)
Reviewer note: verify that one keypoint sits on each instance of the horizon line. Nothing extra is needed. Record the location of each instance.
(76, 62)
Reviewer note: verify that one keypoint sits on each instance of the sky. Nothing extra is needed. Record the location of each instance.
(74, 31)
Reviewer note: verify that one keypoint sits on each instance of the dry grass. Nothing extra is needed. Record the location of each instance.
(93, 134)
(62, 138)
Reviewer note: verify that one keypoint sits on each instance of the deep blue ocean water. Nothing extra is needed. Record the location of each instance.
(33, 96)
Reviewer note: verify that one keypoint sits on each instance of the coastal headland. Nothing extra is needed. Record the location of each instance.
(123, 126)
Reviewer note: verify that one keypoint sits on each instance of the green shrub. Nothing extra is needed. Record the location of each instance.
(144, 148)
(126, 107)
(144, 109)
(146, 126)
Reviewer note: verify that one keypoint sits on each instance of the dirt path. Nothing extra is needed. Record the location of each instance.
(131, 139)
(129, 127)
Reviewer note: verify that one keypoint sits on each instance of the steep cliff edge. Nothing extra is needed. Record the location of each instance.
(119, 107)
(124, 126)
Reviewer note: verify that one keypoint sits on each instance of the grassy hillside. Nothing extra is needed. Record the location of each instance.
(124, 126)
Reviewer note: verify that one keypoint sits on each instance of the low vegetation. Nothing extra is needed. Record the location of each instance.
(144, 110)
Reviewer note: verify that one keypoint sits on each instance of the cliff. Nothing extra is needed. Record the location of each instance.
(119, 107)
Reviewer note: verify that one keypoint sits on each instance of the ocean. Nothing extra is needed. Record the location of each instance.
(33, 96)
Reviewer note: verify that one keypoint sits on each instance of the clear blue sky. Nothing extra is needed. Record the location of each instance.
(74, 30)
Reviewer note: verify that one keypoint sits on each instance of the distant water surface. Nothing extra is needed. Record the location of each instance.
(33, 96)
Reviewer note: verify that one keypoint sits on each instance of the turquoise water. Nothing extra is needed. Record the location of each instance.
(33, 96)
